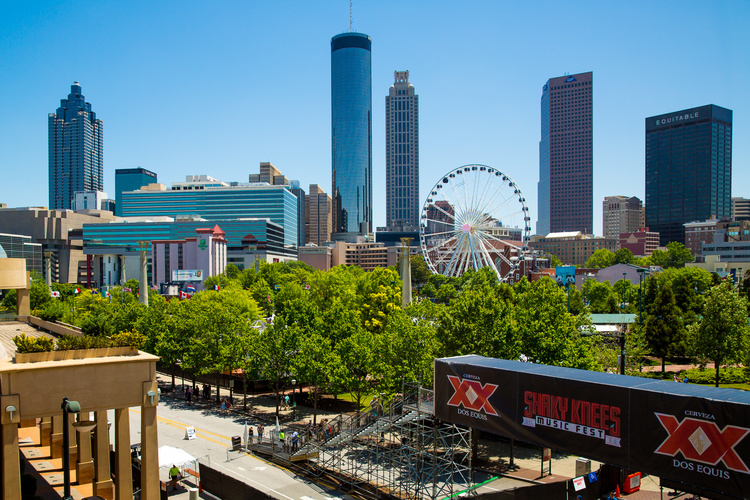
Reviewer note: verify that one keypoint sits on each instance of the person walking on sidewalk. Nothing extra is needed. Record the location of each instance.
(260, 433)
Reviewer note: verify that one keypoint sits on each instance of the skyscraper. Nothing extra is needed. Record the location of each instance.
(76, 162)
(688, 169)
(565, 187)
(351, 134)
(130, 179)
(402, 153)
(317, 216)
(621, 214)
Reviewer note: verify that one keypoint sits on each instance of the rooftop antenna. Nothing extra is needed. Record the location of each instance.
(350, 16)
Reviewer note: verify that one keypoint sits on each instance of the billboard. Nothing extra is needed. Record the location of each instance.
(187, 275)
(696, 435)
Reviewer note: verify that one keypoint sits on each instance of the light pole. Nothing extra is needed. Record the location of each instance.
(294, 400)
(68, 407)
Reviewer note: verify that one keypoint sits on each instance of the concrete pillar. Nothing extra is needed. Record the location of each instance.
(56, 438)
(102, 480)
(48, 267)
(23, 302)
(72, 439)
(45, 431)
(150, 489)
(123, 469)
(84, 461)
(11, 465)
(405, 272)
(11, 483)
(144, 287)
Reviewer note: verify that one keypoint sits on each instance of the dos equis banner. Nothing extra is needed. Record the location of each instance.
(670, 430)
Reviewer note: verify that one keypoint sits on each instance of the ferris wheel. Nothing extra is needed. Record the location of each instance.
(474, 217)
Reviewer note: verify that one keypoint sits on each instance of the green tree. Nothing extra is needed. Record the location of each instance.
(602, 298)
(315, 364)
(600, 259)
(676, 255)
(420, 273)
(722, 334)
(624, 256)
(276, 347)
(663, 325)
(408, 348)
(39, 295)
(554, 261)
(360, 367)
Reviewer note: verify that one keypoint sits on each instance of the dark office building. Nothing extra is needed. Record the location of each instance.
(566, 164)
(76, 159)
(130, 179)
(688, 169)
(351, 134)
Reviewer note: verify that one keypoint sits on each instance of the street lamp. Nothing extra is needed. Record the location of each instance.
(67, 408)
(294, 400)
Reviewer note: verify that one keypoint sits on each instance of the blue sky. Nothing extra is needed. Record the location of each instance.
(218, 87)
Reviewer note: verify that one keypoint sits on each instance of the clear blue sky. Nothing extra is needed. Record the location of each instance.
(217, 87)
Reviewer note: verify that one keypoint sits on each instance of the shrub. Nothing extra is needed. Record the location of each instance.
(708, 375)
(54, 311)
(96, 326)
(25, 344)
(128, 339)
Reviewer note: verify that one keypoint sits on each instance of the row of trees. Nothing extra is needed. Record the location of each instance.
(674, 256)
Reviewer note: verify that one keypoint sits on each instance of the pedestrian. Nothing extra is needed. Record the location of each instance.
(260, 433)
(250, 436)
(174, 474)
(295, 441)
(686, 380)
(674, 377)
(281, 440)
(190, 395)
(223, 407)
(286, 401)
(229, 405)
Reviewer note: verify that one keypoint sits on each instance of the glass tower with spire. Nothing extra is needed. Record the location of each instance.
(351, 134)
(76, 162)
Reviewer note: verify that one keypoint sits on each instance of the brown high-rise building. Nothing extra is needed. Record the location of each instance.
(566, 163)
(621, 214)
(318, 216)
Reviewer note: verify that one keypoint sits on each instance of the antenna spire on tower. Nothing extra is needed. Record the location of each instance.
(350, 16)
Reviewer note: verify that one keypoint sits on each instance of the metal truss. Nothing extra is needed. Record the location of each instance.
(404, 453)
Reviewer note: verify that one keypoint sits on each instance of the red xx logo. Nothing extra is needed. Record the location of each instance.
(471, 394)
(703, 441)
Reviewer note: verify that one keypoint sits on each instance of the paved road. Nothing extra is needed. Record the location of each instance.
(214, 434)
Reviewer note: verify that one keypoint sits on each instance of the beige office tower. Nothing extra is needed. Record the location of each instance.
(401, 153)
(318, 216)
(621, 214)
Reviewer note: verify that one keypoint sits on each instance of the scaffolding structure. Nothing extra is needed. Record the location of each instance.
(397, 451)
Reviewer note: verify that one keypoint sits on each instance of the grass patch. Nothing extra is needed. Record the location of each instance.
(743, 387)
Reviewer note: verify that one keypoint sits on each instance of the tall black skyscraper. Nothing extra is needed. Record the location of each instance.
(688, 169)
(76, 160)
(566, 165)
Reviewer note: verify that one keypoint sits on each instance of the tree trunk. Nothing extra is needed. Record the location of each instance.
(716, 365)
(244, 390)
(174, 369)
(662, 367)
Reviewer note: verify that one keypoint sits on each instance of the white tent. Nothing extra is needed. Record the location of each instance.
(169, 456)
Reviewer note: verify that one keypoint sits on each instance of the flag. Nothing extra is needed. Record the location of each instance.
(268, 297)
(78, 290)
(217, 287)
(191, 288)
(95, 292)
(183, 295)
(307, 287)
(126, 289)
(54, 294)
(107, 293)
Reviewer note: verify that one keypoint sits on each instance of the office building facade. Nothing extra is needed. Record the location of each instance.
(740, 208)
(573, 248)
(688, 169)
(75, 148)
(621, 214)
(213, 200)
(131, 179)
(351, 134)
(318, 216)
(271, 175)
(19, 246)
(401, 153)
(566, 164)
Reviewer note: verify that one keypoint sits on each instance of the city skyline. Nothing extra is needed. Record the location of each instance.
(269, 101)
